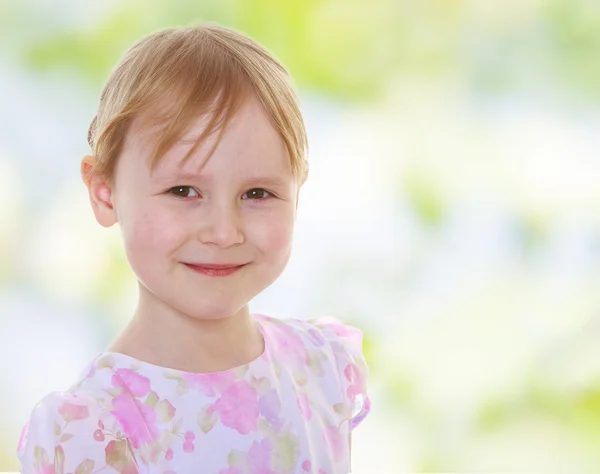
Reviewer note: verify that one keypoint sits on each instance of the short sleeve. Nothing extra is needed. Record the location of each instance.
(69, 433)
(346, 344)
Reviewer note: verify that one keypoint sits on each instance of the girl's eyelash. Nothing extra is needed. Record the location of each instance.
(269, 193)
(176, 189)
(179, 188)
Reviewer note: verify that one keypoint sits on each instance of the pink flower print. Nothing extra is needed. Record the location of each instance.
(259, 458)
(169, 454)
(136, 384)
(335, 442)
(137, 419)
(72, 411)
(46, 469)
(23, 438)
(188, 447)
(364, 410)
(270, 406)
(238, 407)
(99, 435)
(356, 379)
(289, 347)
(262, 317)
(306, 466)
(211, 384)
(304, 405)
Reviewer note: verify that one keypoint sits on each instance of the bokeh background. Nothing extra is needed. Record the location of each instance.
(452, 212)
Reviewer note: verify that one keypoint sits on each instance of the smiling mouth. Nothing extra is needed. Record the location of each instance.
(215, 269)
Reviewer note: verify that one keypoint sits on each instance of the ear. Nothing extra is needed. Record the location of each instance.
(101, 193)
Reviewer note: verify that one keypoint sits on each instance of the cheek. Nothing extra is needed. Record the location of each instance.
(150, 232)
(273, 235)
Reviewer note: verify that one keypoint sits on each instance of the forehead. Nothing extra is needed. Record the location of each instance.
(249, 144)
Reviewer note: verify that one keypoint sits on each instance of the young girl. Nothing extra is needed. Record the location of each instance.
(199, 152)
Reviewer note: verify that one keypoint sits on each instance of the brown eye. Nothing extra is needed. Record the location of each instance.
(256, 194)
(184, 191)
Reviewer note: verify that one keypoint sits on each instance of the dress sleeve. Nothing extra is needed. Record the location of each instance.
(69, 433)
(346, 343)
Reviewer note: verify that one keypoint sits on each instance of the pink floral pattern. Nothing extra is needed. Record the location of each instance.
(210, 384)
(71, 411)
(238, 407)
(259, 457)
(270, 409)
(137, 419)
(289, 411)
(23, 437)
(357, 381)
(132, 382)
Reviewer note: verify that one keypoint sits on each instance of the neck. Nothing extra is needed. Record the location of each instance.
(161, 335)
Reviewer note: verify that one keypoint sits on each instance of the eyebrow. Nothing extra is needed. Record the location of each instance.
(268, 181)
(167, 178)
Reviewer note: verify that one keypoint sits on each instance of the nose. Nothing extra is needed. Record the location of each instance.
(221, 226)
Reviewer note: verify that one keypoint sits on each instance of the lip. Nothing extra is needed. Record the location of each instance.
(213, 269)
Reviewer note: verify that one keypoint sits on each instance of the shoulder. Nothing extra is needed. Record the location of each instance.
(340, 343)
(71, 432)
(345, 341)
(75, 407)
(328, 335)
(327, 327)
(76, 430)
(338, 333)
(328, 332)
(60, 407)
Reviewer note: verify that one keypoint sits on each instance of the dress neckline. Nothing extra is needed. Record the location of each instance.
(102, 357)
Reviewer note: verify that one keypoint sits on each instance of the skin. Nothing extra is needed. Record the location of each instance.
(237, 207)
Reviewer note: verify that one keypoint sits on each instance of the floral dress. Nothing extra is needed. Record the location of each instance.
(291, 410)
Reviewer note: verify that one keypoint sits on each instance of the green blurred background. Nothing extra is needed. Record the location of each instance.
(452, 212)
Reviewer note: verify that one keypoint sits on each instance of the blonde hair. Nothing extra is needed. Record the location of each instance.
(178, 74)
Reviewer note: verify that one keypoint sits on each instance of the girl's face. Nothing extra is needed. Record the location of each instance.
(238, 210)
